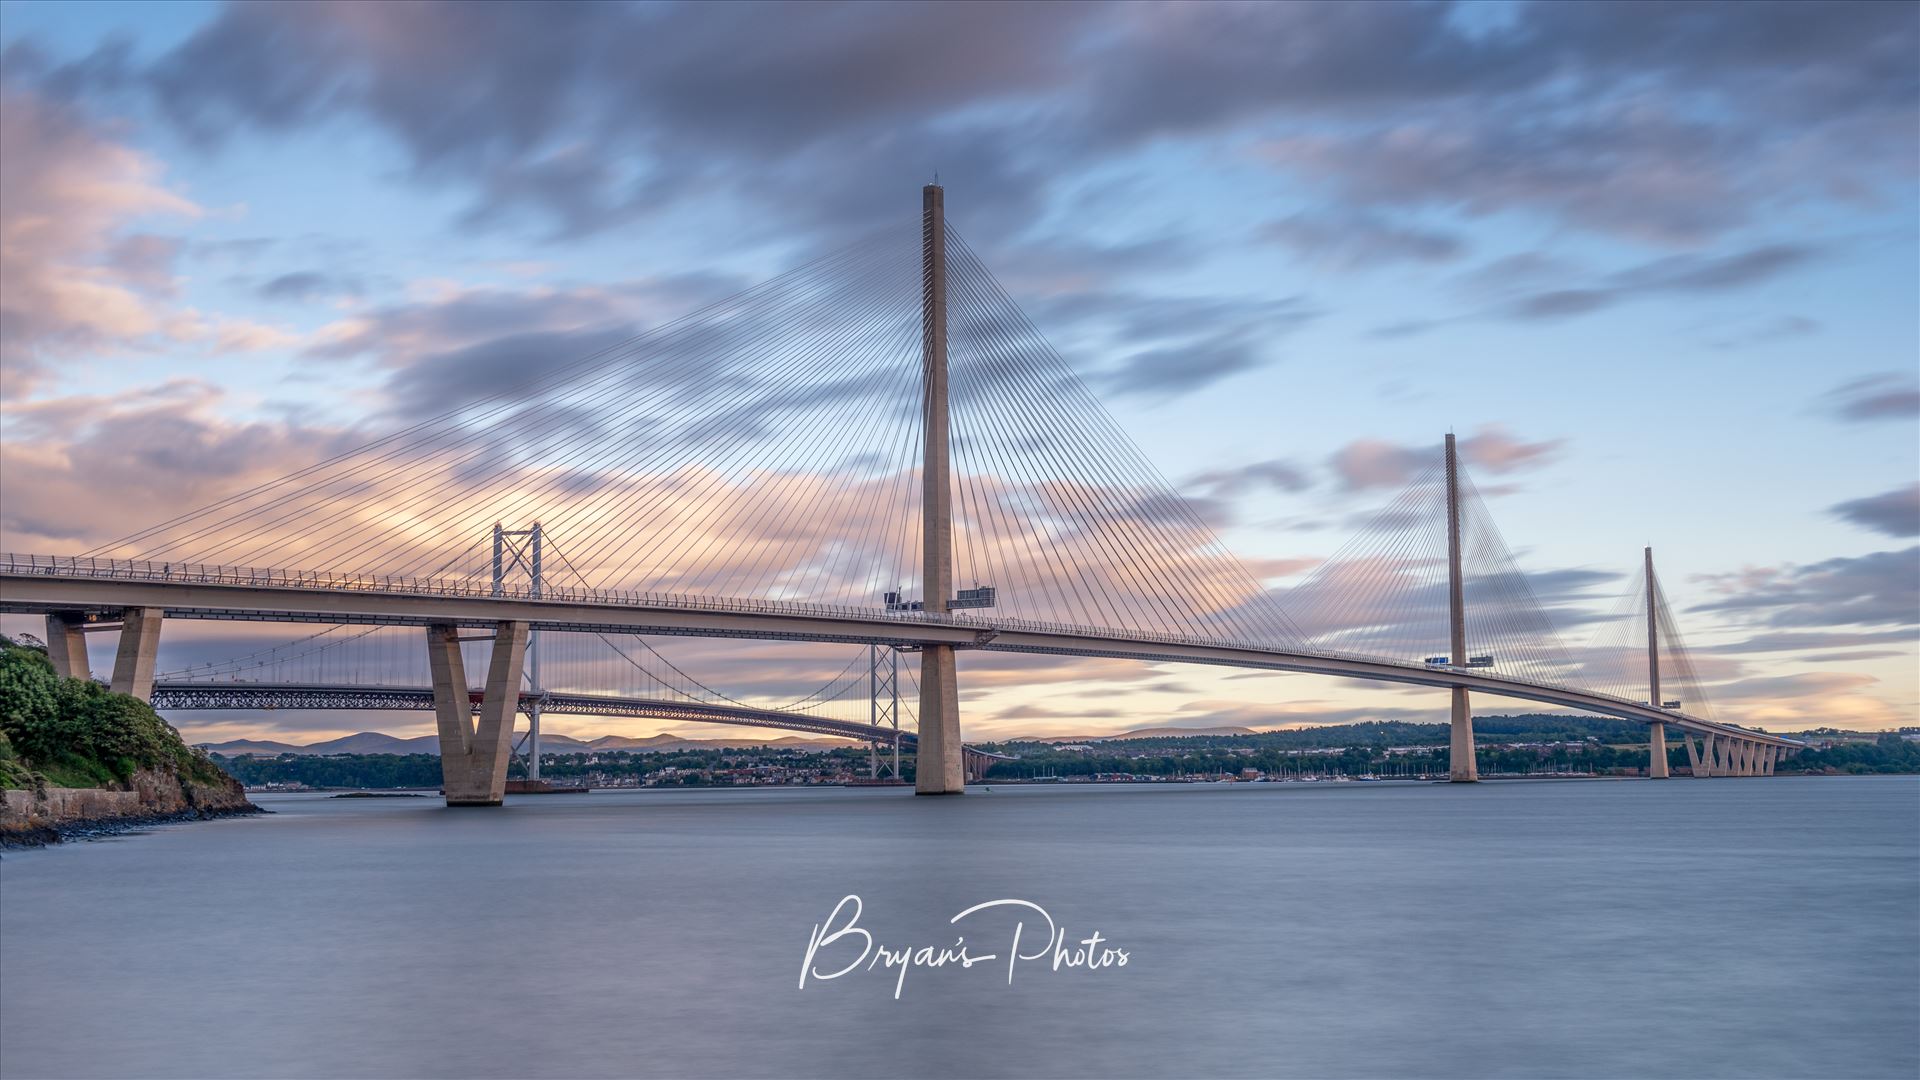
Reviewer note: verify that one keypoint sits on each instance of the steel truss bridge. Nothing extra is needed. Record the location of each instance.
(240, 695)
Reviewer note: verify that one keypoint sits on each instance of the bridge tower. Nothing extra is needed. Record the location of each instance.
(1463, 769)
(883, 686)
(522, 549)
(939, 765)
(1656, 731)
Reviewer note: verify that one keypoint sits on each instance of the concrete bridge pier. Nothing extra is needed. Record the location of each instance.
(1463, 767)
(1699, 755)
(67, 645)
(473, 757)
(1657, 751)
(139, 645)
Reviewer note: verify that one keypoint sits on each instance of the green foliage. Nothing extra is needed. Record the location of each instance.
(1888, 754)
(336, 770)
(28, 687)
(77, 733)
(14, 772)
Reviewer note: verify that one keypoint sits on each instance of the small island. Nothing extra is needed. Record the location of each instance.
(79, 759)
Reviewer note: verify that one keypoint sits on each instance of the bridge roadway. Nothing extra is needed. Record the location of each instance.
(47, 584)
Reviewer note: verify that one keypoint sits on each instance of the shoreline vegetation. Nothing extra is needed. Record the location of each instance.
(78, 760)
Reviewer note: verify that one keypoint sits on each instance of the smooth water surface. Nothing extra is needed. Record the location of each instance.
(1729, 927)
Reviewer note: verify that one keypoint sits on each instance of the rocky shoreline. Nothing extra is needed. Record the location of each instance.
(45, 815)
(103, 828)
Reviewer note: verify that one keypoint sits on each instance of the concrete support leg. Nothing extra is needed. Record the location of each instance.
(139, 644)
(1693, 753)
(938, 766)
(1462, 768)
(1657, 751)
(533, 742)
(67, 646)
(1709, 757)
(1772, 759)
(473, 758)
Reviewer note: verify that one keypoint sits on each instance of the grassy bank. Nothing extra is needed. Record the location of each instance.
(75, 733)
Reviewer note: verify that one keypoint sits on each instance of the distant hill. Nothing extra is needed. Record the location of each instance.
(1136, 733)
(255, 746)
(375, 742)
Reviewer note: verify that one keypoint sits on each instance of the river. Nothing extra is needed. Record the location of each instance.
(1728, 927)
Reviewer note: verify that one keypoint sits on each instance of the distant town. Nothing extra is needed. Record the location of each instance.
(1534, 745)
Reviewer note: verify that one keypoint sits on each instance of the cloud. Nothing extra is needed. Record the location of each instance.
(1672, 130)
(82, 470)
(590, 116)
(303, 286)
(74, 285)
(1676, 128)
(1674, 274)
(470, 343)
(1880, 589)
(1514, 284)
(1768, 331)
(1372, 463)
(1822, 698)
(1799, 641)
(1271, 475)
(1170, 345)
(1895, 513)
(80, 284)
(1886, 396)
(1347, 241)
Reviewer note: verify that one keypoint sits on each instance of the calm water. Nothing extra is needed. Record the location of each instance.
(1764, 927)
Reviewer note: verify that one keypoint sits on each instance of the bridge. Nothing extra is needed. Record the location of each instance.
(814, 460)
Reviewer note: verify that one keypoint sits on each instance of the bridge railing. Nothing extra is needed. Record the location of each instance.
(73, 566)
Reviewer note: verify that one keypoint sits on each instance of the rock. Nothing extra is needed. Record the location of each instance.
(150, 796)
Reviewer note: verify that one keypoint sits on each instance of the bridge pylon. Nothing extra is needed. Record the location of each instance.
(1462, 767)
(883, 692)
(522, 549)
(1656, 731)
(939, 768)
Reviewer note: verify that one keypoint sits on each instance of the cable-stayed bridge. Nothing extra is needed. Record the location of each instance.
(875, 449)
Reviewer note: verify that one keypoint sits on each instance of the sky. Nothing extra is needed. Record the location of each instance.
(1655, 264)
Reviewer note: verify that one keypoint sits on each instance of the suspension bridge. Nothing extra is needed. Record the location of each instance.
(823, 458)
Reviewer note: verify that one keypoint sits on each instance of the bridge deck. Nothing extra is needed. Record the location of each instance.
(43, 584)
